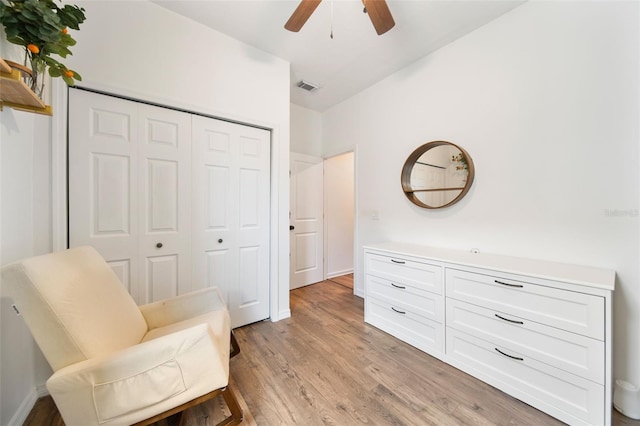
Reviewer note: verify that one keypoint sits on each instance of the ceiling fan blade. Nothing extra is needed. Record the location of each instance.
(301, 14)
(380, 15)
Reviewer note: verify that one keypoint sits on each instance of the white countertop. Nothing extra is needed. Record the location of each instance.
(575, 274)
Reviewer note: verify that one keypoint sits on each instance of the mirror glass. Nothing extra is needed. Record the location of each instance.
(437, 174)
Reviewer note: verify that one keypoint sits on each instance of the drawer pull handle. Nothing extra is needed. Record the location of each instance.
(510, 356)
(398, 286)
(395, 310)
(507, 284)
(509, 320)
(398, 261)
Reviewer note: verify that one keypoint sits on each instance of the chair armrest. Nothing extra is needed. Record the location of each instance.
(141, 381)
(183, 307)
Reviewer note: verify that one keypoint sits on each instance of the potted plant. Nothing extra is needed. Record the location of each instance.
(41, 27)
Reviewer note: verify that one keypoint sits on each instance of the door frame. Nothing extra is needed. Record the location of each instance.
(279, 199)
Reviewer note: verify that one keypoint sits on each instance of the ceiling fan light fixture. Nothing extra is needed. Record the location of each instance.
(309, 87)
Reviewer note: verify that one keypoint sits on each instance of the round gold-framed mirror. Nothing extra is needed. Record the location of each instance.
(437, 174)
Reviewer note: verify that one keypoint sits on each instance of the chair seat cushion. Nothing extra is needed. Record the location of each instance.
(141, 381)
(218, 322)
(120, 397)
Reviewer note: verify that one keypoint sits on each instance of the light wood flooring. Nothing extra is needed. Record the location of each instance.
(343, 280)
(325, 366)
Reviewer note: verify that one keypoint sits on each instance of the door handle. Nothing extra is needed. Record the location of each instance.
(159, 245)
(291, 227)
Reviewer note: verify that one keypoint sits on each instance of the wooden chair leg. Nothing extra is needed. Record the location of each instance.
(235, 348)
(232, 403)
(175, 414)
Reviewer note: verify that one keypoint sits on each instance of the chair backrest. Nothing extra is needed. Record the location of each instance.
(74, 305)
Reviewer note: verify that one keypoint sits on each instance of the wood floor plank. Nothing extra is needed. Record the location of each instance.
(344, 280)
(325, 366)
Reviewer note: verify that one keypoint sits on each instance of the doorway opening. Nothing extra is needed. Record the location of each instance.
(339, 217)
(322, 216)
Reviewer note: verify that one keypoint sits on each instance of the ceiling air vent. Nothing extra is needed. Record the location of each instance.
(309, 87)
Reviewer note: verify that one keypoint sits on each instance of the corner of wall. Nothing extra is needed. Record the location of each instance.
(25, 408)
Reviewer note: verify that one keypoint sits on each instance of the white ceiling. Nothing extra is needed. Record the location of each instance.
(356, 57)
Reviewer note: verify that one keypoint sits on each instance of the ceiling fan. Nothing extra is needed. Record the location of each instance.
(377, 10)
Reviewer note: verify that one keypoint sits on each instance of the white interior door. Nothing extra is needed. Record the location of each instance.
(231, 172)
(306, 219)
(129, 190)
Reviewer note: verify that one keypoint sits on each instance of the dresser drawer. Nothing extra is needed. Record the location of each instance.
(567, 351)
(408, 326)
(404, 271)
(407, 296)
(576, 312)
(570, 398)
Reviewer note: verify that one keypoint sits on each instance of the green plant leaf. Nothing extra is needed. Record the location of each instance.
(29, 14)
(41, 22)
(55, 72)
(16, 40)
(72, 16)
(53, 63)
(67, 40)
(58, 49)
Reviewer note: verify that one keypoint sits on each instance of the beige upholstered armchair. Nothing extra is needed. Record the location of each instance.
(116, 363)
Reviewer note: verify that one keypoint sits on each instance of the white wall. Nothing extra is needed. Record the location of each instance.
(139, 49)
(306, 131)
(339, 213)
(25, 230)
(545, 100)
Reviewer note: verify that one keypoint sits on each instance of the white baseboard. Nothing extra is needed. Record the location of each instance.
(25, 408)
(42, 390)
(339, 273)
(286, 313)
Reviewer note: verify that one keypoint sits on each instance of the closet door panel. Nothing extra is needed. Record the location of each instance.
(129, 190)
(218, 271)
(103, 180)
(217, 192)
(251, 303)
(161, 278)
(231, 215)
(110, 183)
(164, 174)
(214, 242)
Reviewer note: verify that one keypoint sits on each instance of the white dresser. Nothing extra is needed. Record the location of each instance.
(540, 331)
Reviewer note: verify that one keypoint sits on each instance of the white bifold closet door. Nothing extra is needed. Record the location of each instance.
(231, 215)
(144, 193)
